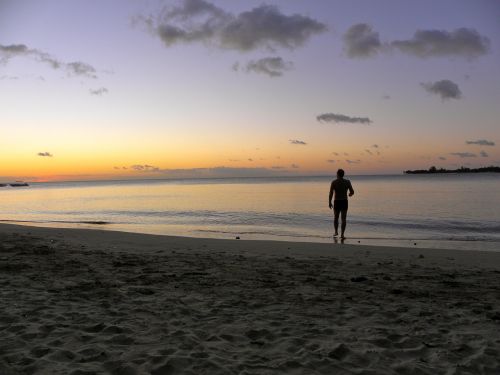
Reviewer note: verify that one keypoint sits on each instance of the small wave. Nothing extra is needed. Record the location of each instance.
(299, 220)
(432, 225)
(251, 232)
(284, 219)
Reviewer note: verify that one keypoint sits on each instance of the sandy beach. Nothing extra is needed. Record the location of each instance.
(97, 302)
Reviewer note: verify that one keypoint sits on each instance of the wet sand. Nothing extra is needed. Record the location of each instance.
(98, 302)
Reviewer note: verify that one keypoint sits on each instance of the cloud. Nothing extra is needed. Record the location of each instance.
(463, 154)
(236, 66)
(81, 69)
(338, 118)
(15, 49)
(266, 26)
(462, 42)
(442, 158)
(481, 142)
(445, 88)
(277, 167)
(353, 161)
(361, 41)
(100, 91)
(294, 166)
(7, 52)
(271, 66)
(77, 68)
(45, 154)
(386, 97)
(144, 168)
(214, 172)
(198, 21)
(368, 152)
(374, 146)
(297, 142)
(193, 8)
(331, 161)
(484, 154)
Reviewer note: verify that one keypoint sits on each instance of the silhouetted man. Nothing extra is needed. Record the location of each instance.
(340, 203)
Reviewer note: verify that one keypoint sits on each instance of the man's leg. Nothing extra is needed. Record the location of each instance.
(336, 221)
(344, 222)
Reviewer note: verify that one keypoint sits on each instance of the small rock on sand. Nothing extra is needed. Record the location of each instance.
(358, 279)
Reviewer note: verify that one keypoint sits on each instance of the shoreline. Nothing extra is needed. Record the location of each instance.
(79, 301)
(377, 242)
(273, 246)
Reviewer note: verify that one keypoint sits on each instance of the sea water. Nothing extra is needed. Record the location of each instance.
(456, 211)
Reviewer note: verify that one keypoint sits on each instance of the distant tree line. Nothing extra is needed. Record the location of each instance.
(433, 169)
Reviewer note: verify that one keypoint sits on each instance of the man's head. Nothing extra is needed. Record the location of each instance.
(340, 173)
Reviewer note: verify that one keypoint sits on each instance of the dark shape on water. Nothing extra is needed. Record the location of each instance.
(93, 222)
(19, 184)
(433, 169)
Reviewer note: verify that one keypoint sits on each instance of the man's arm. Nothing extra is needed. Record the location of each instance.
(351, 190)
(330, 196)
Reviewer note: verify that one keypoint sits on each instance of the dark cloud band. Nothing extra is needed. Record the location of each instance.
(463, 42)
(361, 41)
(463, 154)
(339, 118)
(215, 172)
(481, 142)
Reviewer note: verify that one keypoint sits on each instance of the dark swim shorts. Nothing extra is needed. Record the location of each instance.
(340, 205)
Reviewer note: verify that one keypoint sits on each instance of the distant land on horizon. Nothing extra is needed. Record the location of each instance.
(433, 169)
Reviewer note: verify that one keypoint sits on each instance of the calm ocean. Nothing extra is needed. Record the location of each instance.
(440, 211)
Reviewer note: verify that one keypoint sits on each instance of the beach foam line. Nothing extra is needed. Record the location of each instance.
(464, 238)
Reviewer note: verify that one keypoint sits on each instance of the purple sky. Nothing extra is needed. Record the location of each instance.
(108, 89)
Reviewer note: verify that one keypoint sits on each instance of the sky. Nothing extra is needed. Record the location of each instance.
(102, 89)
